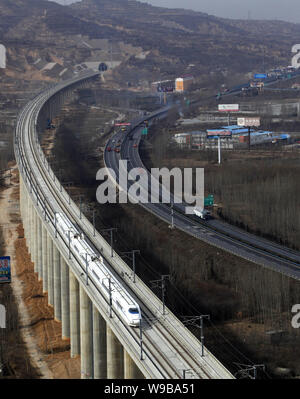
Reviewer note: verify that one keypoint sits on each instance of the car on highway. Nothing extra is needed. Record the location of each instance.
(117, 150)
(135, 145)
(108, 149)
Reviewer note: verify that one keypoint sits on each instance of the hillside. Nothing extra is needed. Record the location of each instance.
(173, 41)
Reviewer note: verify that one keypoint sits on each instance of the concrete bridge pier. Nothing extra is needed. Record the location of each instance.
(131, 371)
(65, 298)
(40, 249)
(50, 270)
(86, 335)
(33, 235)
(74, 315)
(22, 199)
(99, 345)
(45, 259)
(31, 232)
(35, 241)
(115, 356)
(56, 284)
(26, 220)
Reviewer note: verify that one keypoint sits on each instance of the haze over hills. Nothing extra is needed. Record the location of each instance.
(172, 41)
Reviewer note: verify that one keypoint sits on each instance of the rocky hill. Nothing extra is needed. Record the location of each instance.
(151, 42)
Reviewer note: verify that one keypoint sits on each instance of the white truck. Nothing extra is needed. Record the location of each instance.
(202, 213)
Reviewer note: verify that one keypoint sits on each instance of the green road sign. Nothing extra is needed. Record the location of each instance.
(145, 130)
(209, 200)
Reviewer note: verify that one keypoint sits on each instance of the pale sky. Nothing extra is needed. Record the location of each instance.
(287, 10)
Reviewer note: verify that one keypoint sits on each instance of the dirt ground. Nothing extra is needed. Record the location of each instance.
(49, 353)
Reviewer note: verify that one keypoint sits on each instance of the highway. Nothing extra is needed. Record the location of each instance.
(167, 346)
(214, 232)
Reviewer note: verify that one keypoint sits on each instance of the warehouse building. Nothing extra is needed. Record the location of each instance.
(183, 83)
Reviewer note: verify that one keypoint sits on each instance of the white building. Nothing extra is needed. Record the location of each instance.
(2, 56)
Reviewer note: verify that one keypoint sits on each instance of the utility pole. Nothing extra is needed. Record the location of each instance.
(193, 321)
(246, 369)
(202, 333)
(60, 176)
(110, 298)
(80, 207)
(55, 224)
(133, 252)
(111, 230)
(87, 271)
(219, 150)
(172, 216)
(44, 206)
(68, 184)
(69, 243)
(37, 194)
(161, 283)
(141, 340)
(249, 138)
(94, 229)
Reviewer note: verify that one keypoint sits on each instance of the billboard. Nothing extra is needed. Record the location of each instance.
(123, 124)
(228, 107)
(260, 76)
(248, 122)
(219, 133)
(5, 274)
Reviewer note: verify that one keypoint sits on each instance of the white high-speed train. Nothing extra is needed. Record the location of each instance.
(122, 302)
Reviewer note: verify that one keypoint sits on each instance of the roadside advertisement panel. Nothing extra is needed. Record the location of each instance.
(219, 133)
(5, 273)
(248, 122)
(228, 107)
(123, 124)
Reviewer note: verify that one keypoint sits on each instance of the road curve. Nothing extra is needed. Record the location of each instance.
(214, 232)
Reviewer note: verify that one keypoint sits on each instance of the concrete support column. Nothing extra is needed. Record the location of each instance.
(21, 197)
(56, 283)
(115, 365)
(31, 232)
(26, 219)
(35, 241)
(74, 315)
(50, 270)
(23, 203)
(40, 249)
(32, 253)
(86, 336)
(45, 259)
(131, 371)
(99, 345)
(65, 298)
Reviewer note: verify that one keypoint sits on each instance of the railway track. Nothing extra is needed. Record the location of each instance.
(219, 234)
(50, 197)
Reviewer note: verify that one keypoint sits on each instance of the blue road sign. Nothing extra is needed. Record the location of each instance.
(260, 76)
(5, 273)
